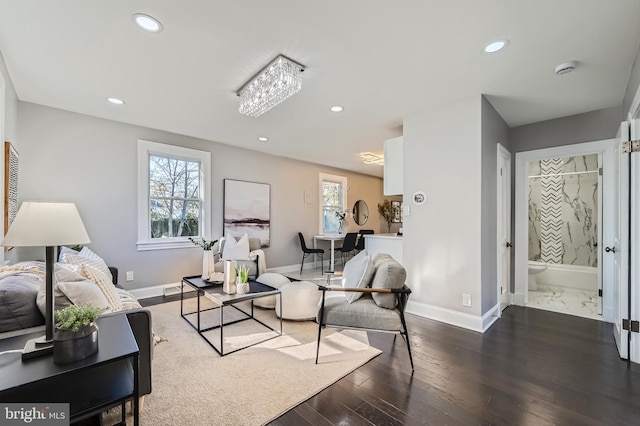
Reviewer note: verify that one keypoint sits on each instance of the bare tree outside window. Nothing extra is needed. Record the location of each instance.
(174, 197)
(331, 203)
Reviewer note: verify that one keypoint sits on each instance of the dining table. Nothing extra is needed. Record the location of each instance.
(332, 238)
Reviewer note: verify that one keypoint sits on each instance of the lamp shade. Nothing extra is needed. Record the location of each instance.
(46, 224)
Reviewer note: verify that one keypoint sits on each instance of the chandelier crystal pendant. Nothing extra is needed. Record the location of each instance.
(279, 80)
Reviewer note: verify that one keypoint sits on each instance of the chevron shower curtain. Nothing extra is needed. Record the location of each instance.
(563, 208)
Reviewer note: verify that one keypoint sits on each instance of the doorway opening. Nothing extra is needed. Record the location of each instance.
(559, 199)
(563, 234)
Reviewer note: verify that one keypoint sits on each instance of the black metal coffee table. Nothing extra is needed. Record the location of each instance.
(221, 300)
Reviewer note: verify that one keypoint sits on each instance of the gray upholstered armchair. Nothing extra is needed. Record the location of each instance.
(255, 261)
(380, 307)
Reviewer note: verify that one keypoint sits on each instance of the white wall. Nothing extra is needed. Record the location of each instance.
(442, 238)
(92, 161)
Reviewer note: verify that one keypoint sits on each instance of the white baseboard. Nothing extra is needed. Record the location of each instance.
(174, 288)
(518, 299)
(490, 317)
(449, 316)
(158, 290)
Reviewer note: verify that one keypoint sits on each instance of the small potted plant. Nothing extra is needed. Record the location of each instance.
(76, 335)
(242, 280)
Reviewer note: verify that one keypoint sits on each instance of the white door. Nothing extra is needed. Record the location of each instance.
(635, 241)
(504, 226)
(617, 247)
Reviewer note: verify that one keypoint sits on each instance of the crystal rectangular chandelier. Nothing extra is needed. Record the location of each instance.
(280, 79)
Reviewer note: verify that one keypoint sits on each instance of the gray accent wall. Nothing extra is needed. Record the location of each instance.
(632, 88)
(587, 127)
(66, 156)
(494, 130)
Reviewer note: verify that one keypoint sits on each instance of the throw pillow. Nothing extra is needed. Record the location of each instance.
(357, 273)
(104, 284)
(236, 250)
(389, 274)
(128, 300)
(73, 293)
(78, 260)
(64, 250)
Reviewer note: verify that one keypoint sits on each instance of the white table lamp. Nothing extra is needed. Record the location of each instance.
(47, 224)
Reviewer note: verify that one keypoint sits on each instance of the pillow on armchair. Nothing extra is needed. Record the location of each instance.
(240, 251)
(235, 250)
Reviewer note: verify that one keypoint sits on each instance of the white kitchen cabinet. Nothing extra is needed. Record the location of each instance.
(393, 166)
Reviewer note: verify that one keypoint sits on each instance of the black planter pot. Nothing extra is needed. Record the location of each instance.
(70, 347)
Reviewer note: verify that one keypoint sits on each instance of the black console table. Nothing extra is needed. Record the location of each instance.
(104, 380)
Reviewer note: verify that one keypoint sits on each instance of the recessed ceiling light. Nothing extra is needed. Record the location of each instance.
(147, 23)
(496, 46)
(336, 108)
(115, 101)
(263, 139)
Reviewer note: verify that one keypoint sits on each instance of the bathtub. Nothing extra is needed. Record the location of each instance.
(579, 277)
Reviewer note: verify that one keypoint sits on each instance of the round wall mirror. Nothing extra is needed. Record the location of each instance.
(360, 212)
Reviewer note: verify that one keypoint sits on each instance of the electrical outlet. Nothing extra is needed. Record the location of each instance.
(466, 300)
(129, 275)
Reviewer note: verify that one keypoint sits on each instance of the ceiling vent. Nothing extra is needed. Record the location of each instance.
(565, 68)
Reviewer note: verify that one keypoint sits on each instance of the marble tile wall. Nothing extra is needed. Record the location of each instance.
(563, 208)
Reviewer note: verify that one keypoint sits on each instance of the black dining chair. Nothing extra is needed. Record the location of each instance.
(348, 245)
(308, 251)
(360, 243)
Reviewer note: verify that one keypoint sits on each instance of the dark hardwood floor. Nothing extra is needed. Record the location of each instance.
(532, 367)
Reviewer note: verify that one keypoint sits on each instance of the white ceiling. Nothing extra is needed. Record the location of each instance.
(381, 60)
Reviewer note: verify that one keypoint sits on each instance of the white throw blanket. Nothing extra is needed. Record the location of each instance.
(262, 263)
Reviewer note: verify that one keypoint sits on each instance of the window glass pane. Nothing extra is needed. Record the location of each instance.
(331, 203)
(329, 219)
(174, 218)
(331, 193)
(169, 177)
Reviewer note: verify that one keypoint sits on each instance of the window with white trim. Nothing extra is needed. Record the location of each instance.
(333, 199)
(173, 201)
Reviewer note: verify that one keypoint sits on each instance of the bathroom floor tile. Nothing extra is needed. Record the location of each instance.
(565, 300)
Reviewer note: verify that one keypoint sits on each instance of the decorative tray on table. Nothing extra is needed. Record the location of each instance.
(216, 278)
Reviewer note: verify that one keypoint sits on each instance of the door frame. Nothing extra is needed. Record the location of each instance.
(503, 205)
(521, 237)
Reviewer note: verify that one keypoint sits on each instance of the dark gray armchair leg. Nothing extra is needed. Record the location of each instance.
(404, 331)
(321, 317)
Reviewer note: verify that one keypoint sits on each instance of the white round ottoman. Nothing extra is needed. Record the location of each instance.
(299, 301)
(274, 280)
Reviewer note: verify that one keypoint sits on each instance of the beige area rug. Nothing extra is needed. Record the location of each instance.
(193, 385)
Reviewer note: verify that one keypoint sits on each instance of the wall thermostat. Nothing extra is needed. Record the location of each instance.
(419, 198)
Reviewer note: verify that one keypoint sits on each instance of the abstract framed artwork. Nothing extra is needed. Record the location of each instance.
(10, 185)
(247, 210)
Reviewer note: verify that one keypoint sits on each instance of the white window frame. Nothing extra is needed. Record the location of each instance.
(325, 177)
(148, 148)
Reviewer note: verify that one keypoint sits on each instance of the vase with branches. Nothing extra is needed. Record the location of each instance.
(342, 219)
(386, 212)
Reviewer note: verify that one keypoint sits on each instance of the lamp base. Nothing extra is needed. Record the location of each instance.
(37, 347)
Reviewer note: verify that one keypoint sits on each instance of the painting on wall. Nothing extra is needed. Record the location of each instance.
(247, 210)
(10, 185)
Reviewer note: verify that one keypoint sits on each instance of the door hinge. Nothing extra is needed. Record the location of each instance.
(599, 292)
(633, 326)
(630, 146)
(600, 171)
